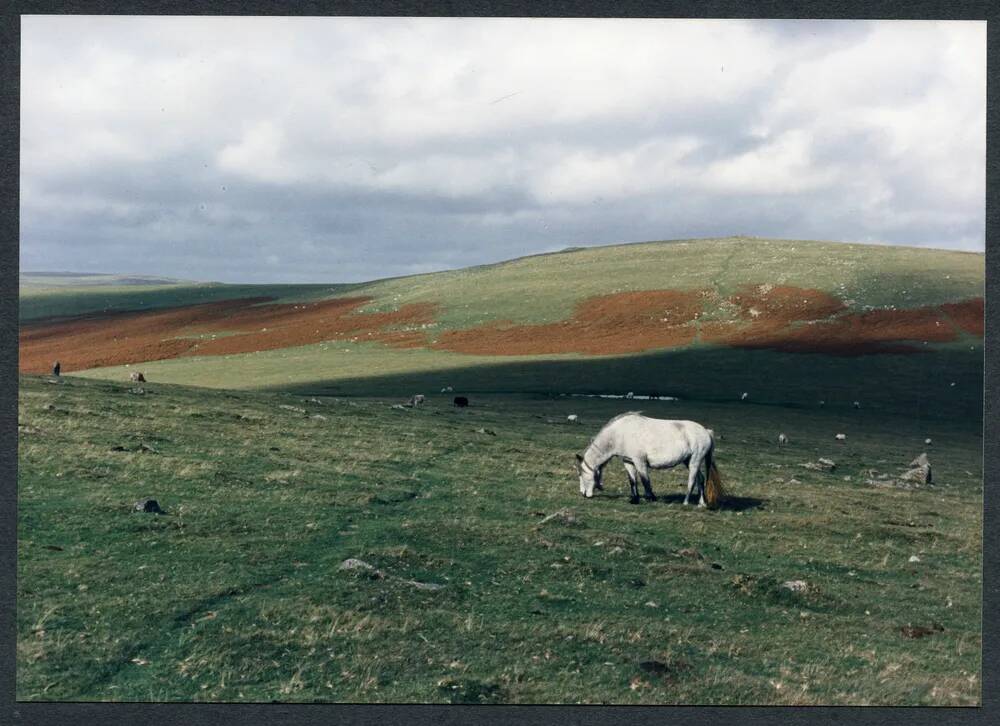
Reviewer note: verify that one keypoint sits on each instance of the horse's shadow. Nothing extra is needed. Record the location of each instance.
(730, 503)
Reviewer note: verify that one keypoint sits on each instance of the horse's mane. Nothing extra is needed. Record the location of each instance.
(616, 418)
(621, 416)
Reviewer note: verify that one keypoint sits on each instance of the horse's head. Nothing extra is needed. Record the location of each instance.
(590, 478)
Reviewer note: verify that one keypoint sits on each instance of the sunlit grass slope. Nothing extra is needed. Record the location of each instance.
(544, 288)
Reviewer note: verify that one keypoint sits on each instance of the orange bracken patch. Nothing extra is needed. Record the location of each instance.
(806, 322)
(627, 322)
(764, 316)
(969, 315)
(118, 338)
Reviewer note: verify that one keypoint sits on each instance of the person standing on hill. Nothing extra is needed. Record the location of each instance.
(55, 369)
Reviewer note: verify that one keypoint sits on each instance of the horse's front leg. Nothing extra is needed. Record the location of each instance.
(632, 477)
(642, 469)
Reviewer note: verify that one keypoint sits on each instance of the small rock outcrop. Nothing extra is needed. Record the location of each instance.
(920, 471)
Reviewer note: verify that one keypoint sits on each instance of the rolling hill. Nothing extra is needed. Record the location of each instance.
(689, 318)
(824, 578)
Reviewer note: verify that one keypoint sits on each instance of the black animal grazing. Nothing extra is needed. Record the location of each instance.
(461, 401)
(55, 369)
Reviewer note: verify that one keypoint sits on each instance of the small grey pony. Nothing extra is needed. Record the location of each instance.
(650, 443)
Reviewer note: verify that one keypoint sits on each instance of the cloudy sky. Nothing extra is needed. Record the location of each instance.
(344, 149)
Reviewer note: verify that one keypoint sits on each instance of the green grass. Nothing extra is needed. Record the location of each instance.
(914, 384)
(544, 288)
(236, 595)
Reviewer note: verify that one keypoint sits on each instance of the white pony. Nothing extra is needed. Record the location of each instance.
(651, 443)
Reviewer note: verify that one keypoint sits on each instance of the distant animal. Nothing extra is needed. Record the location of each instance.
(745, 396)
(927, 442)
(630, 395)
(822, 403)
(137, 377)
(841, 437)
(857, 404)
(417, 400)
(56, 368)
(461, 401)
(649, 443)
(572, 418)
(447, 389)
(782, 439)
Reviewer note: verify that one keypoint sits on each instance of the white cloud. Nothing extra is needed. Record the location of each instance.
(376, 127)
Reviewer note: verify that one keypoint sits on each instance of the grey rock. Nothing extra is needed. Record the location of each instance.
(150, 506)
(795, 585)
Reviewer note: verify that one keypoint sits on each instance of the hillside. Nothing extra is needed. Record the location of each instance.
(646, 310)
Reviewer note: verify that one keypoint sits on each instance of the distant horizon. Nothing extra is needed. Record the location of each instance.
(416, 145)
(156, 276)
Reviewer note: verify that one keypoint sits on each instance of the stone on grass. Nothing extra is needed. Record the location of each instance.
(149, 506)
(921, 471)
(355, 564)
(564, 516)
(795, 585)
(820, 465)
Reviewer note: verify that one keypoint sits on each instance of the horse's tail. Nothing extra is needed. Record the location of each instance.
(715, 493)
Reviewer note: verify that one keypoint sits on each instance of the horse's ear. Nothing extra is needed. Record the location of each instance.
(579, 457)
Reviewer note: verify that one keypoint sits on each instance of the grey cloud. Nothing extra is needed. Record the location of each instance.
(338, 202)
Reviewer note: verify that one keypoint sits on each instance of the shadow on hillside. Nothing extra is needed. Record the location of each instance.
(941, 383)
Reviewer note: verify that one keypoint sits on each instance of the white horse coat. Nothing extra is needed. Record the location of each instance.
(648, 443)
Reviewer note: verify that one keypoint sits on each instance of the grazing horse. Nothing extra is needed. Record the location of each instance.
(649, 443)
(461, 401)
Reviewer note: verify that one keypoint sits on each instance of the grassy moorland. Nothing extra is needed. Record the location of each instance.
(543, 288)
(236, 593)
(492, 580)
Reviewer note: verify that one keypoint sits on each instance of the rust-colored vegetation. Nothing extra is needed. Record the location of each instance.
(756, 316)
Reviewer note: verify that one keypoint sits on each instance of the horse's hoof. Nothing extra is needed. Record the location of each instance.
(636, 500)
(651, 498)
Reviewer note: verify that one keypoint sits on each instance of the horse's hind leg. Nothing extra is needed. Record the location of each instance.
(632, 477)
(643, 471)
(693, 477)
